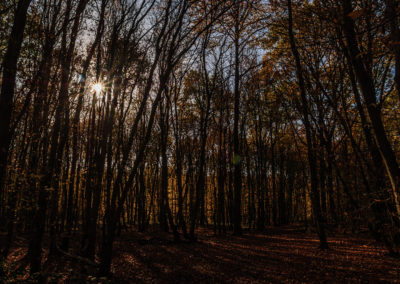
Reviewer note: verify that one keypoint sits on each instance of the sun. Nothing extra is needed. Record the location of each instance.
(97, 87)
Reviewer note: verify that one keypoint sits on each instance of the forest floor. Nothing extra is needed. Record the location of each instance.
(279, 255)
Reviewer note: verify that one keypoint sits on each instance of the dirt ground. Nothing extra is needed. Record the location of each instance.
(279, 255)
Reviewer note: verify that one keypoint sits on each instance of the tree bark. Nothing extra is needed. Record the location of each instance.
(366, 83)
(310, 147)
(9, 67)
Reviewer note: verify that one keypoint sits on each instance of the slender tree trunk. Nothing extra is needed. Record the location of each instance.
(9, 67)
(164, 169)
(237, 154)
(392, 11)
(369, 94)
(273, 180)
(310, 147)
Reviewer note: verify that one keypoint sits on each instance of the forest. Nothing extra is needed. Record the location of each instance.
(199, 141)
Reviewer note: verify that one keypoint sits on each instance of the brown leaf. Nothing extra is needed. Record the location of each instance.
(356, 14)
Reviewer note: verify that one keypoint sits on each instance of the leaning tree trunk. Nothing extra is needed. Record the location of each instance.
(310, 148)
(368, 92)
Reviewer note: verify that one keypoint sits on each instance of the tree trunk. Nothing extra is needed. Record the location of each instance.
(237, 154)
(9, 68)
(369, 94)
(310, 147)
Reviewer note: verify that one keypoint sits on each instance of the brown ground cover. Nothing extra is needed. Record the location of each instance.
(284, 254)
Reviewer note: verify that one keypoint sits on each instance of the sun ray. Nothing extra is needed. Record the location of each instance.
(97, 87)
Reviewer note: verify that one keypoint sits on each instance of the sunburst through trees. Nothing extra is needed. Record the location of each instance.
(134, 119)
